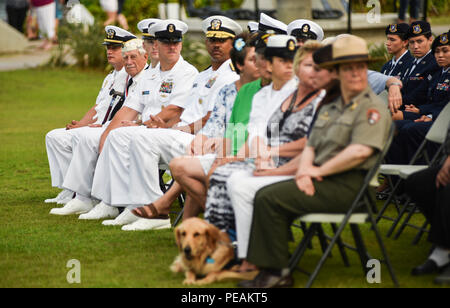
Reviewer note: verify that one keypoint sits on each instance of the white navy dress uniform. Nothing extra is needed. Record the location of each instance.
(152, 148)
(154, 91)
(60, 143)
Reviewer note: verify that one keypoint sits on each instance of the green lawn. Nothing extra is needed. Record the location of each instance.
(35, 246)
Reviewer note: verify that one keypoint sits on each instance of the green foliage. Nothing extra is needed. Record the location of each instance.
(194, 51)
(83, 43)
(378, 51)
(224, 4)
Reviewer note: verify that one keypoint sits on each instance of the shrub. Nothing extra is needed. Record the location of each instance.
(81, 43)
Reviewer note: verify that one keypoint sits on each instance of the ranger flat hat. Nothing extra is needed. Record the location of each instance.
(270, 25)
(281, 45)
(346, 49)
(144, 25)
(441, 40)
(418, 28)
(170, 30)
(400, 29)
(117, 36)
(305, 29)
(220, 27)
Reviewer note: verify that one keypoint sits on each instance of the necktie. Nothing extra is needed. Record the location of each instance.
(130, 82)
(413, 67)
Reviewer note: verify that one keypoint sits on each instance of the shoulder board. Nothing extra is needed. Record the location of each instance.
(232, 67)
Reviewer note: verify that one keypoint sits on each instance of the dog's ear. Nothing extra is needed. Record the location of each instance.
(212, 235)
(177, 232)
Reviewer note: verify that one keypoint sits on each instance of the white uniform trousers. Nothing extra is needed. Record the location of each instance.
(151, 149)
(112, 176)
(59, 152)
(80, 173)
(242, 188)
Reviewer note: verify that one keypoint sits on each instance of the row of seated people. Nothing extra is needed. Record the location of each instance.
(273, 109)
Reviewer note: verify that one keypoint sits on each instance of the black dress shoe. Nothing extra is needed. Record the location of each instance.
(267, 280)
(444, 278)
(429, 267)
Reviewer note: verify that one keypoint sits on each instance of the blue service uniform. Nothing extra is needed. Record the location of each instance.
(411, 134)
(416, 83)
(398, 70)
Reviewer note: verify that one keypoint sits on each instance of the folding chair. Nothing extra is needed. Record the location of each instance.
(436, 134)
(165, 187)
(362, 201)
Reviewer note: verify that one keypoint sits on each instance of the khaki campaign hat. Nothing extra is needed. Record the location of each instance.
(347, 49)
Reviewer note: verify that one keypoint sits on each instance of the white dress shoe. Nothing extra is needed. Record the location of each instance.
(143, 224)
(123, 219)
(63, 195)
(100, 211)
(75, 206)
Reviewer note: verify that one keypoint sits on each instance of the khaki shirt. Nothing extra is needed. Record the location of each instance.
(365, 120)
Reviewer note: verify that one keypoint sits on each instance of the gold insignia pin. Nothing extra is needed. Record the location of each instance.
(291, 45)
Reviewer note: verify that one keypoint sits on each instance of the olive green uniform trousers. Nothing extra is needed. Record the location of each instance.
(278, 205)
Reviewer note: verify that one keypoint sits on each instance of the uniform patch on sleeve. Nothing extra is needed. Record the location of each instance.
(373, 116)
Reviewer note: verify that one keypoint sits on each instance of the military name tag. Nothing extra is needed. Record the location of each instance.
(145, 92)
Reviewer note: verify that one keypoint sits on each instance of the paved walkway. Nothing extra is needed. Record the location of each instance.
(34, 57)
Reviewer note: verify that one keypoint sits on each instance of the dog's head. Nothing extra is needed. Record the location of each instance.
(196, 238)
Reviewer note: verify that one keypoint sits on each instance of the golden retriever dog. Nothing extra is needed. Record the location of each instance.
(204, 252)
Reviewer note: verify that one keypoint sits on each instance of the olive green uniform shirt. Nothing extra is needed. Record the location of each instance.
(365, 120)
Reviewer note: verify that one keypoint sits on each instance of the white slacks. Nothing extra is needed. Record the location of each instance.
(112, 176)
(46, 19)
(242, 188)
(127, 171)
(59, 152)
(150, 149)
(80, 173)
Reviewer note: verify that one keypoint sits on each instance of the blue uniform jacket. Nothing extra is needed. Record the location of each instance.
(438, 94)
(401, 67)
(416, 85)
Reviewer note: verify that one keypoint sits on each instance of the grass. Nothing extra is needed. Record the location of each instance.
(35, 246)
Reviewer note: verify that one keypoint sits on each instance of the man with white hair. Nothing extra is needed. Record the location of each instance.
(155, 95)
(152, 147)
(59, 141)
(81, 169)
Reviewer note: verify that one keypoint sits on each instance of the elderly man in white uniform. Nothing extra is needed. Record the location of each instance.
(59, 141)
(81, 169)
(150, 148)
(157, 90)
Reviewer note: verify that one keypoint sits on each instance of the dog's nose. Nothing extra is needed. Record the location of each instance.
(187, 251)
